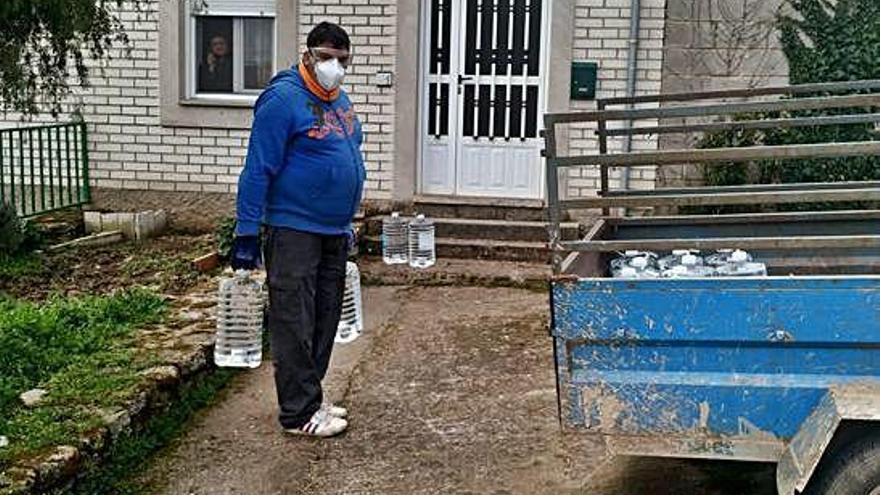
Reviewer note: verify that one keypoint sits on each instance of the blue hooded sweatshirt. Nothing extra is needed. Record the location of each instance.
(304, 169)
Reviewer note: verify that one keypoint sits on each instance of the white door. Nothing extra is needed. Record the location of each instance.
(482, 97)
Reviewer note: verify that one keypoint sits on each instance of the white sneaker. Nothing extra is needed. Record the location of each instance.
(339, 412)
(322, 424)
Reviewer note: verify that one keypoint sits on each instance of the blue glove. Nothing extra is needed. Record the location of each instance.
(246, 253)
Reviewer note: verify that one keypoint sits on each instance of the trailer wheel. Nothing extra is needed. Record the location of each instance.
(852, 470)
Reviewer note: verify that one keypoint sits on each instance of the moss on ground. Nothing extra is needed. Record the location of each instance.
(125, 459)
(80, 350)
(12, 267)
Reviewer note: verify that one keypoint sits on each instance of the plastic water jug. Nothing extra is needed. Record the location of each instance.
(422, 252)
(691, 266)
(239, 342)
(351, 323)
(394, 240)
(720, 257)
(635, 264)
(672, 260)
(740, 264)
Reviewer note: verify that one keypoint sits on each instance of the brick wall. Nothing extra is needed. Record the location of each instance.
(371, 24)
(717, 44)
(131, 150)
(601, 35)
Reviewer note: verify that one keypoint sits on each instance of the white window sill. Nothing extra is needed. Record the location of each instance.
(220, 101)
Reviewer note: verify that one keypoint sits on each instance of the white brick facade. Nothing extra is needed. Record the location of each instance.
(601, 35)
(371, 24)
(131, 148)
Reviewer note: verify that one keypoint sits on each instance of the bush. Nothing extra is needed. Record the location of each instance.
(224, 235)
(822, 42)
(11, 231)
(17, 237)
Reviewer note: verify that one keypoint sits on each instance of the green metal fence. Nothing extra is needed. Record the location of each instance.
(44, 168)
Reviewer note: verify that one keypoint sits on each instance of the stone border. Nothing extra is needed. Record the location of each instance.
(184, 347)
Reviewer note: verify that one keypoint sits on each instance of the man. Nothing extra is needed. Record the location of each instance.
(303, 178)
(215, 73)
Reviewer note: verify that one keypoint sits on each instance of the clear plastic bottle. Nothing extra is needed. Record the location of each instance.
(351, 322)
(394, 240)
(239, 339)
(422, 252)
(740, 264)
(638, 267)
(720, 257)
(691, 266)
(628, 258)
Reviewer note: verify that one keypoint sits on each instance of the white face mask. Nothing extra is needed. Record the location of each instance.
(330, 73)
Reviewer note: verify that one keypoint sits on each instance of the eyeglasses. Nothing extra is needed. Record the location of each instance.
(322, 54)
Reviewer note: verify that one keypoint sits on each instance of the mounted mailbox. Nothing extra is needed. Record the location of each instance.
(583, 80)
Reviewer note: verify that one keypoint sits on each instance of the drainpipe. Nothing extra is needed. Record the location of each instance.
(635, 21)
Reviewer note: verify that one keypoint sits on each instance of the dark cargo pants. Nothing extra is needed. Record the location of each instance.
(306, 277)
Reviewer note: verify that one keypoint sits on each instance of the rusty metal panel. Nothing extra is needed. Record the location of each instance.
(749, 243)
(723, 155)
(797, 89)
(806, 243)
(740, 125)
(824, 102)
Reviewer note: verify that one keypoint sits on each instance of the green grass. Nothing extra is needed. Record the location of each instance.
(81, 351)
(20, 266)
(118, 476)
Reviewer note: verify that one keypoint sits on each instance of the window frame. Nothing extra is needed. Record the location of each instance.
(240, 94)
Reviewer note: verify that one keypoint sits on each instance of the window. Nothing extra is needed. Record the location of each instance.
(231, 48)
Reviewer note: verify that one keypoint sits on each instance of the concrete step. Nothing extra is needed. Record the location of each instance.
(500, 209)
(501, 230)
(476, 249)
(472, 228)
(458, 272)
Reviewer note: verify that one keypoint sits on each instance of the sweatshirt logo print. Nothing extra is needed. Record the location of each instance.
(339, 122)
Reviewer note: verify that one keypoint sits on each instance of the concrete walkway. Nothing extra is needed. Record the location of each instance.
(451, 390)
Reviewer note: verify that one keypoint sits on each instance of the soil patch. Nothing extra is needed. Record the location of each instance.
(163, 264)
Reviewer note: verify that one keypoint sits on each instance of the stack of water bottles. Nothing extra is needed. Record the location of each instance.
(408, 241)
(686, 263)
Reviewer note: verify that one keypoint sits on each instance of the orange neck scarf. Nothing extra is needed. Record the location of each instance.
(316, 88)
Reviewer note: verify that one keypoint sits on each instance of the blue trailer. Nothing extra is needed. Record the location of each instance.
(783, 368)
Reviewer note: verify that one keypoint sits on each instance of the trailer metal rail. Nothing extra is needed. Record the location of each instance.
(859, 104)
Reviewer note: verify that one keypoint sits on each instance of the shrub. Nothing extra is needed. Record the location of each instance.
(224, 234)
(11, 231)
(823, 42)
